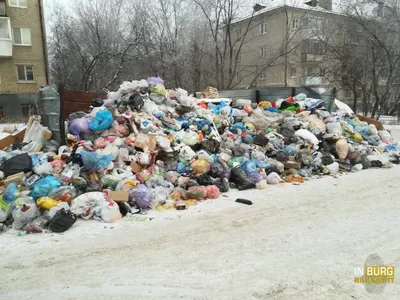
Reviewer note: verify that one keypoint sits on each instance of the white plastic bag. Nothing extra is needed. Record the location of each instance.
(23, 215)
(273, 178)
(84, 205)
(308, 136)
(110, 211)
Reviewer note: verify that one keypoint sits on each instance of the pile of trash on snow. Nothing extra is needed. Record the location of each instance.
(146, 147)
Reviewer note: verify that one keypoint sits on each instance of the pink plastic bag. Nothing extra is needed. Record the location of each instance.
(213, 192)
(197, 193)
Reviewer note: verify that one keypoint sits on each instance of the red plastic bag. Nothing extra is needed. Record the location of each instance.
(213, 192)
(197, 193)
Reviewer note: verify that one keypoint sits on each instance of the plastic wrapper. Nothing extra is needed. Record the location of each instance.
(44, 186)
(46, 203)
(213, 192)
(171, 176)
(69, 173)
(273, 178)
(79, 126)
(22, 215)
(64, 194)
(95, 162)
(197, 192)
(342, 148)
(140, 196)
(333, 168)
(102, 121)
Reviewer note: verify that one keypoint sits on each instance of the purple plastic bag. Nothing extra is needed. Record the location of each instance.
(79, 125)
(155, 80)
(140, 196)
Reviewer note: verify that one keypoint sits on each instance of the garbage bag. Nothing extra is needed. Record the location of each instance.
(95, 162)
(217, 170)
(62, 221)
(213, 192)
(158, 89)
(342, 148)
(305, 157)
(17, 164)
(23, 215)
(154, 80)
(197, 192)
(261, 140)
(140, 196)
(222, 184)
(136, 101)
(79, 126)
(273, 178)
(46, 203)
(240, 179)
(308, 136)
(110, 211)
(64, 194)
(102, 121)
(210, 145)
(44, 186)
(200, 166)
(84, 204)
(10, 194)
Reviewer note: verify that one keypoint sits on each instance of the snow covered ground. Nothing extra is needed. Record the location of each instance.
(295, 242)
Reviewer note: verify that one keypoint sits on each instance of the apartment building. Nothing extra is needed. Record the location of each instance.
(281, 40)
(23, 53)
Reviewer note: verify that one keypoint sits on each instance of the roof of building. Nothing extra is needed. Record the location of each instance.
(299, 4)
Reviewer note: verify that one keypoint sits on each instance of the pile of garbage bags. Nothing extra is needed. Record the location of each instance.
(146, 147)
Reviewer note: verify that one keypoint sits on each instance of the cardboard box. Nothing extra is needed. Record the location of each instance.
(119, 196)
(146, 141)
(17, 178)
(292, 165)
(136, 168)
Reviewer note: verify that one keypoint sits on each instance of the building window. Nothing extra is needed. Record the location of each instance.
(263, 52)
(293, 72)
(262, 75)
(347, 93)
(309, 71)
(313, 47)
(5, 29)
(18, 3)
(22, 36)
(263, 28)
(25, 73)
(296, 23)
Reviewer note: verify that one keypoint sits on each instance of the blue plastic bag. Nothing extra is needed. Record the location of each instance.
(94, 162)
(102, 121)
(10, 194)
(44, 186)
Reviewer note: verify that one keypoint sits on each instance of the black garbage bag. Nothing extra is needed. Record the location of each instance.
(217, 170)
(136, 101)
(240, 179)
(211, 145)
(124, 208)
(97, 102)
(16, 164)
(261, 140)
(222, 184)
(365, 162)
(204, 179)
(327, 159)
(62, 221)
(282, 156)
(190, 183)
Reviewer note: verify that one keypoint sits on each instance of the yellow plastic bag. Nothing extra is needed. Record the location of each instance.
(46, 203)
(200, 166)
(342, 148)
(265, 104)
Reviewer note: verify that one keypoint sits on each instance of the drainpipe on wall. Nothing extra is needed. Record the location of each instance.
(44, 40)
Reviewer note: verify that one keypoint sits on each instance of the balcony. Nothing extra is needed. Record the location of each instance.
(311, 57)
(6, 42)
(312, 81)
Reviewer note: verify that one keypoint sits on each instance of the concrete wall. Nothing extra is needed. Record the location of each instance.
(25, 55)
